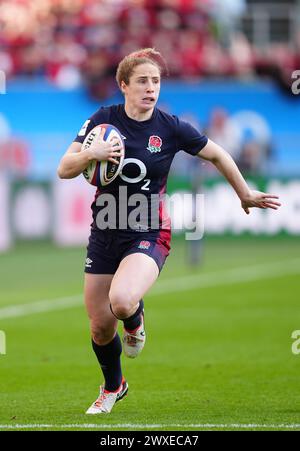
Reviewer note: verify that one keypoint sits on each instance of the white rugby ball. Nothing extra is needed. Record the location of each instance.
(101, 173)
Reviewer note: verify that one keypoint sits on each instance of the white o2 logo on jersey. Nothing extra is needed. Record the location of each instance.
(140, 177)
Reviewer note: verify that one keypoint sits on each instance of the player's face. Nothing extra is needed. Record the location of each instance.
(142, 91)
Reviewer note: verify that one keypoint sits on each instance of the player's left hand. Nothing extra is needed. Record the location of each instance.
(259, 200)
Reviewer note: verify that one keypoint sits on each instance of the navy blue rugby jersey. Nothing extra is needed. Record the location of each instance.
(150, 147)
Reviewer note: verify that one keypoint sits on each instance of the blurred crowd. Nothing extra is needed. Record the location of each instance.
(75, 41)
(246, 136)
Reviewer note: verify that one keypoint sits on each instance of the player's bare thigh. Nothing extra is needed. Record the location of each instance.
(103, 324)
(134, 277)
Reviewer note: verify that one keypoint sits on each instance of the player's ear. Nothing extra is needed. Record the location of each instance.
(123, 86)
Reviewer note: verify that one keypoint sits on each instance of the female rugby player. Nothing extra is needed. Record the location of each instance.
(123, 262)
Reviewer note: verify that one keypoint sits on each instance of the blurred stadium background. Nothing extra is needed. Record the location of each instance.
(234, 293)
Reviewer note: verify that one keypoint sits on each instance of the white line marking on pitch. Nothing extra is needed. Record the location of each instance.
(227, 277)
(40, 306)
(150, 426)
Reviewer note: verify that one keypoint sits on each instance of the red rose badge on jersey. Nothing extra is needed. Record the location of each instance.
(144, 245)
(154, 144)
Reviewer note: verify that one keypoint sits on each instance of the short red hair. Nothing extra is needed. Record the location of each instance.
(141, 56)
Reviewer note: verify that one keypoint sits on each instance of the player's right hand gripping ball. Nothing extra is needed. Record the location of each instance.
(101, 173)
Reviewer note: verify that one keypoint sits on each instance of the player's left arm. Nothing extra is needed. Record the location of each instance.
(225, 164)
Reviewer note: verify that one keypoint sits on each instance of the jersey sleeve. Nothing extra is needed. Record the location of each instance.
(189, 139)
(100, 117)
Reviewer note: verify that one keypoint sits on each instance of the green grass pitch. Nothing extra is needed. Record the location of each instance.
(218, 353)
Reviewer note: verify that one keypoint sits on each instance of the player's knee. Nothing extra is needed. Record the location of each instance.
(101, 335)
(122, 303)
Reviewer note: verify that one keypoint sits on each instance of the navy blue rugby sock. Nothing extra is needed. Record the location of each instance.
(135, 320)
(109, 359)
